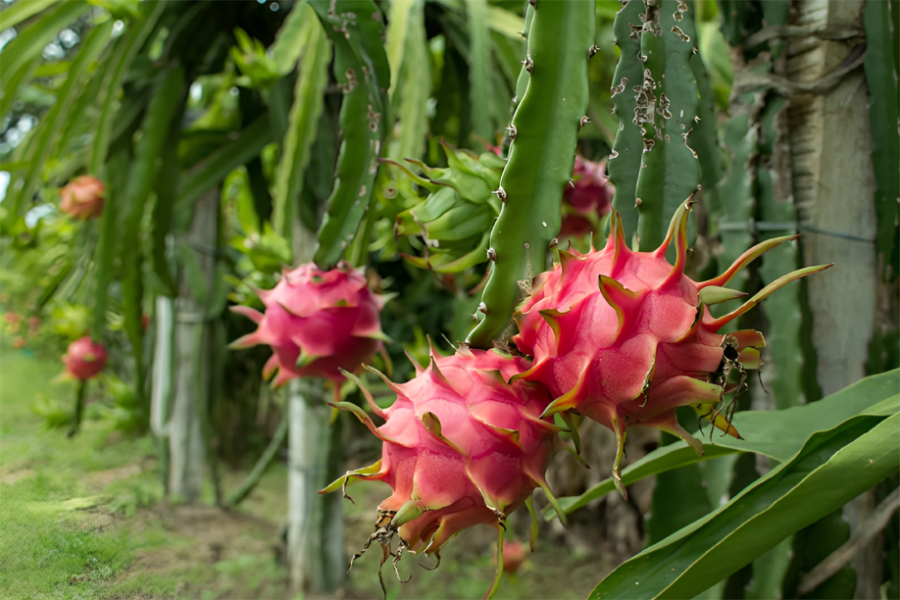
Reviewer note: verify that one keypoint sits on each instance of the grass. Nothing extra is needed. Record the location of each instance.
(84, 518)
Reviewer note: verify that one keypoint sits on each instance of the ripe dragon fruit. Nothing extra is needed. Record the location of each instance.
(587, 200)
(461, 447)
(624, 337)
(317, 323)
(84, 359)
(83, 198)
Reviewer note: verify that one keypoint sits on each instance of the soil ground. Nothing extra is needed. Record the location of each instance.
(85, 518)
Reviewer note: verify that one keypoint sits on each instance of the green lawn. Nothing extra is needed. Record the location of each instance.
(85, 518)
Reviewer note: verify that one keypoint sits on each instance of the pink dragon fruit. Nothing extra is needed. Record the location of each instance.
(461, 447)
(84, 359)
(317, 323)
(83, 198)
(625, 337)
(513, 556)
(588, 199)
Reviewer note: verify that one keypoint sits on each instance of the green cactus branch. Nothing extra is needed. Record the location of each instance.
(541, 157)
(625, 160)
(361, 68)
(665, 111)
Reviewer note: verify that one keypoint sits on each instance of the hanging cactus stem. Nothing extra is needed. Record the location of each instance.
(552, 95)
(501, 529)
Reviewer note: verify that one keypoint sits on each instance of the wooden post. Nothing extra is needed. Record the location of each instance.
(834, 186)
(315, 522)
(192, 358)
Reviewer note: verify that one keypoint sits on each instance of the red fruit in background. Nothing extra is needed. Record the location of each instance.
(13, 320)
(34, 324)
(514, 554)
(145, 321)
(317, 323)
(588, 200)
(19, 342)
(461, 447)
(625, 338)
(84, 358)
(83, 197)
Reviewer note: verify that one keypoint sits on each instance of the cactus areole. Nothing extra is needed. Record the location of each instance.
(84, 359)
(317, 323)
(625, 338)
(83, 198)
(461, 447)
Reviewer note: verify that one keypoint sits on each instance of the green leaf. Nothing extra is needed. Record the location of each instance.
(506, 23)
(40, 145)
(30, 42)
(16, 77)
(18, 12)
(302, 122)
(858, 453)
(125, 51)
(479, 68)
(881, 75)
(106, 250)
(289, 41)
(776, 434)
(248, 144)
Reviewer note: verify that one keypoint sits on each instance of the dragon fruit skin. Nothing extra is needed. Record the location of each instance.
(317, 323)
(82, 198)
(84, 359)
(624, 337)
(461, 447)
(586, 200)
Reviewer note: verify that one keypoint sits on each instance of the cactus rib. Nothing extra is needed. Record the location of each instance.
(541, 157)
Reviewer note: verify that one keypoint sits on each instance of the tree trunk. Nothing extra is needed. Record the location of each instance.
(834, 184)
(192, 353)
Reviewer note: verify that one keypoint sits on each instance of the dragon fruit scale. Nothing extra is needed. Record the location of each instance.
(317, 323)
(625, 337)
(461, 447)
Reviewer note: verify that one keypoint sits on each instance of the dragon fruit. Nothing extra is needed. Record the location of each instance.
(317, 323)
(84, 359)
(83, 198)
(586, 200)
(625, 338)
(461, 447)
(513, 556)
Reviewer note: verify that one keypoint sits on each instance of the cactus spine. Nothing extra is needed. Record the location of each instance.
(541, 156)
